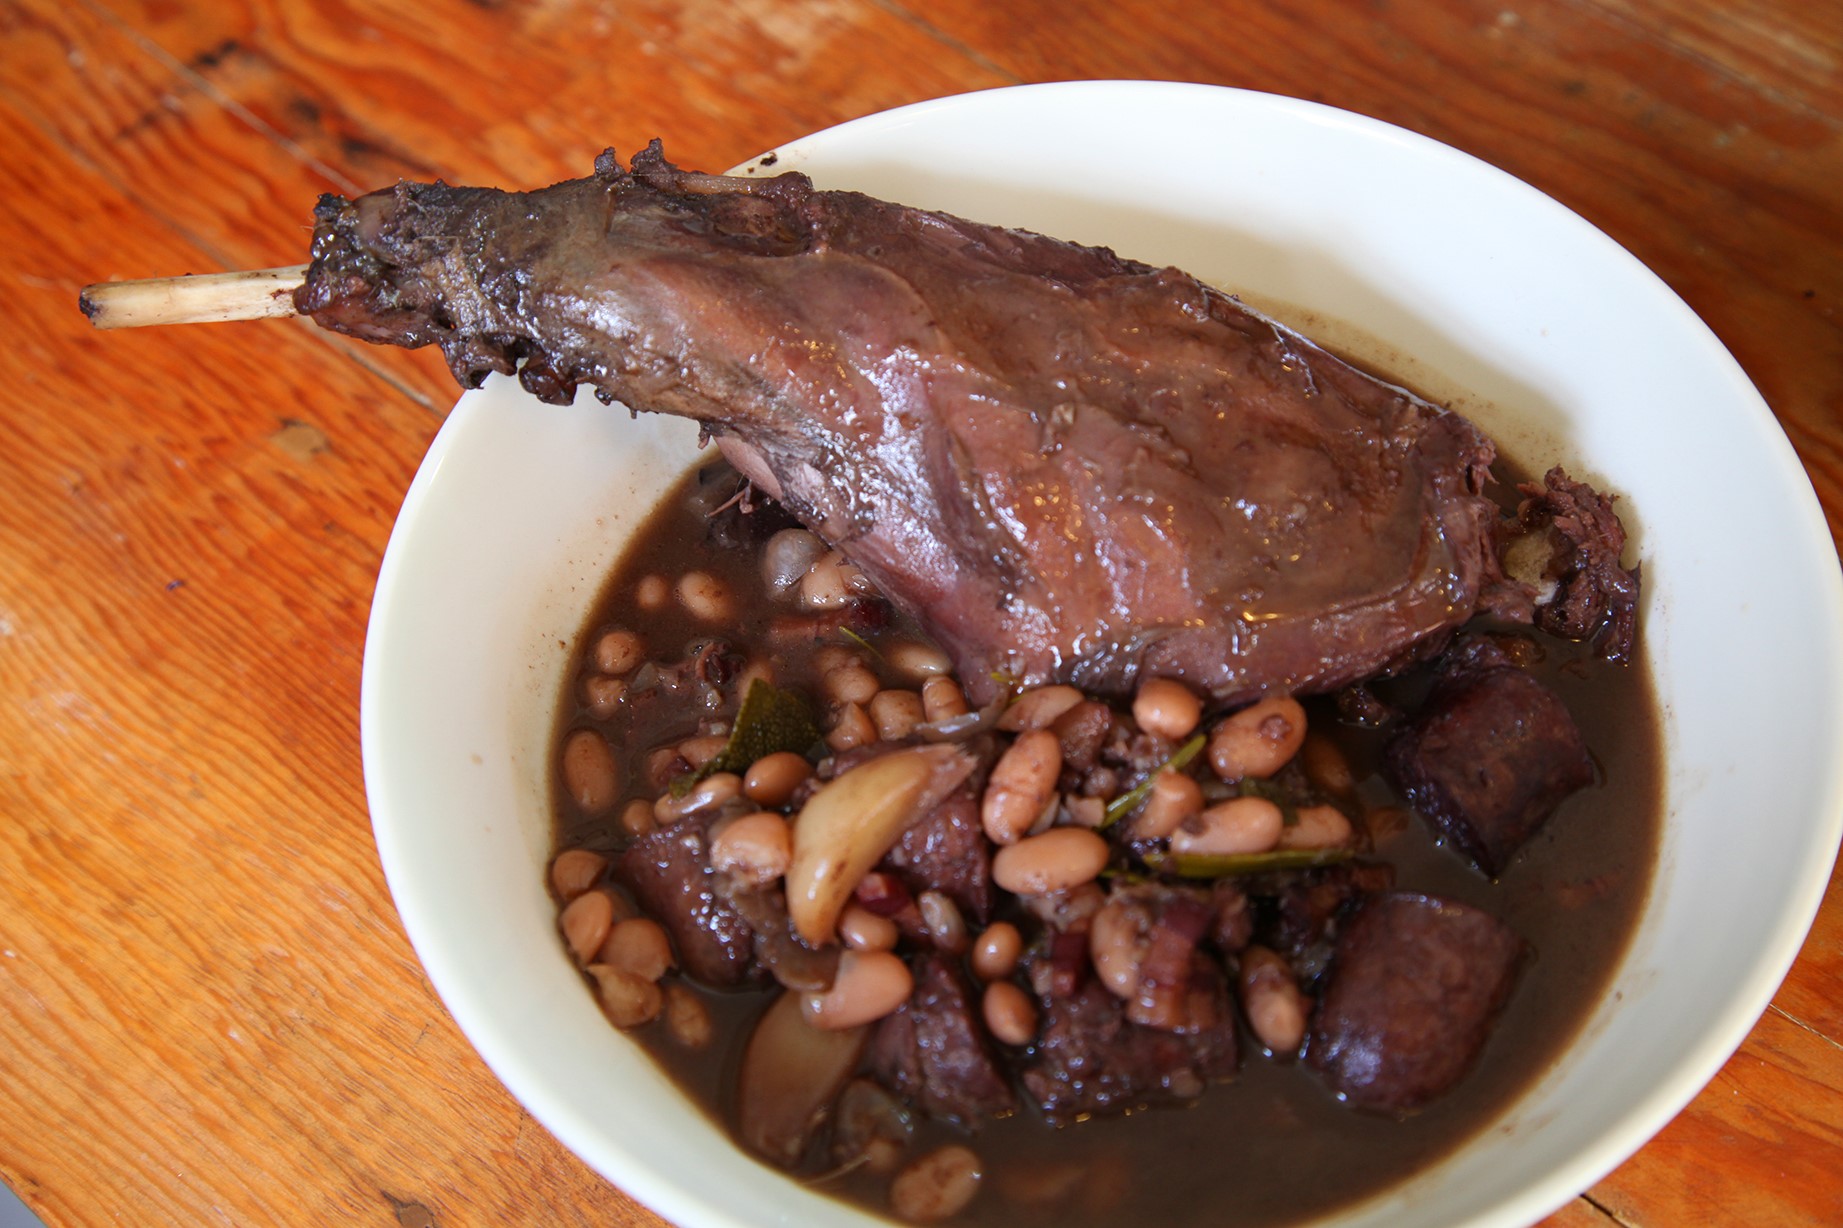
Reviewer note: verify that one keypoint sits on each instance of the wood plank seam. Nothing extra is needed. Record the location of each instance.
(1796, 1022)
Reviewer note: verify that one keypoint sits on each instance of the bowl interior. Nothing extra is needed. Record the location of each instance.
(1463, 281)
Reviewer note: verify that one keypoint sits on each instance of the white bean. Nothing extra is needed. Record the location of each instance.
(1038, 707)
(1009, 1013)
(896, 713)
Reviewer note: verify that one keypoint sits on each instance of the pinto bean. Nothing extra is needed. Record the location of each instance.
(1173, 798)
(590, 775)
(1113, 949)
(1318, 827)
(1056, 860)
(701, 750)
(628, 1000)
(853, 728)
(997, 951)
(1020, 786)
(619, 651)
(755, 848)
(863, 930)
(651, 593)
(637, 818)
(574, 871)
(707, 794)
(917, 660)
(1009, 1013)
(942, 698)
(896, 713)
(1168, 708)
(831, 583)
(706, 598)
(602, 695)
(1270, 995)
(1038, 707)
(687, 1018)
(936, 1186)
(1239, 825)
(1258, 740)
(585, 922)
(850, 683)
(638, 945)
(772, 779)
(946, 927)
(869, 985)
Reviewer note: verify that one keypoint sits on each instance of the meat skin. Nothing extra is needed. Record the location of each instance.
(1066, 465)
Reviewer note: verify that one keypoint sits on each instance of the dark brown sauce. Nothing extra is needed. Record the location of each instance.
(1274, 1146)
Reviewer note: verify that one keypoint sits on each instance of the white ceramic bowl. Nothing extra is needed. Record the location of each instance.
(1562, 345)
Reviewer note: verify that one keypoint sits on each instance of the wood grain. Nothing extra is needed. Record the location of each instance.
(208, 1011)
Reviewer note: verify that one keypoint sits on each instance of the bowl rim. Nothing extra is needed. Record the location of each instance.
(1643, 1118)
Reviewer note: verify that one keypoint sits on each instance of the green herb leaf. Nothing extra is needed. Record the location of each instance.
(771, 720)
(1129, 801)
(1226, 865)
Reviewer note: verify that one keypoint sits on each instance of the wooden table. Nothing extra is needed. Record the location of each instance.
(208, 1011)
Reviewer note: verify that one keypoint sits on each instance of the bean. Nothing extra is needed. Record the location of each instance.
(756, 848)
(1009, 1013)
(850, 683)
(996, 953)
(1168, 708)
(917, 660)
(1174, 797)
(936, 1186)
(1318, 827)
(638, 945)
(637, 818)
(828, 657)
(664, 765)
(759, 669)
(1239, 825)
(603, 695)
(1060, 858)
(1258, 740)
(942, 698)
(1036, 708)
(585, 922)
(702, 749)
(1020, 786)
(1275, 1005)
(619, 651)
(652, 592)
(626, 999)
(946, 927)
(788, 556)
(1113, 949)
(1327, 767)
(706, 597)
(863, 930)
(772, 779)
(869, 985)
(575, 871)
(687, 1018)
(896, 713)
(853, 728)
(707, 794)
(590, 775)
(832, 583)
